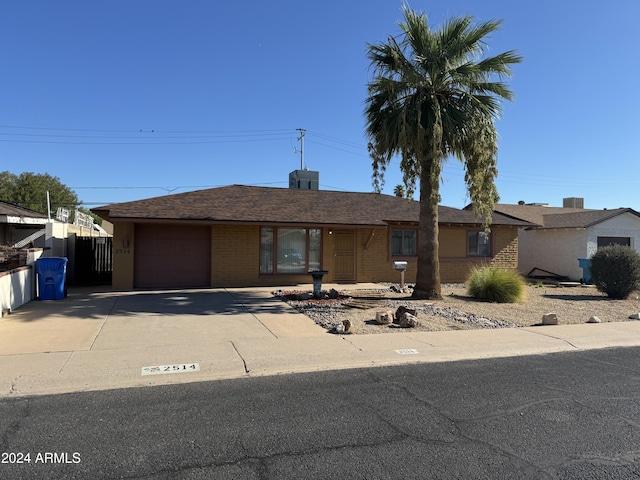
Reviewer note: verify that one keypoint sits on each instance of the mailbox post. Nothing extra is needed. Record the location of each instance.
(401, 267)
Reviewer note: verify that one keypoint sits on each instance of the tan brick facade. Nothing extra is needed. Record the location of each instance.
(235, 256)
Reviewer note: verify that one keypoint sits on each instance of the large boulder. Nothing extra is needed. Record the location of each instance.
(408, 320)
(402, 310)
(384, 318)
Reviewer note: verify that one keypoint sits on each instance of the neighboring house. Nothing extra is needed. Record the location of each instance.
(17, 223)
(563, 235)
(250, 236)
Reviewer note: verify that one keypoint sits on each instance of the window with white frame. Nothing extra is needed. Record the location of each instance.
(289, 250)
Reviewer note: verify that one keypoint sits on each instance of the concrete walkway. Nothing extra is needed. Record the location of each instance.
(95, 340)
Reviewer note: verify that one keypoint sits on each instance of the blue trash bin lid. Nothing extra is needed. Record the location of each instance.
(52, 263)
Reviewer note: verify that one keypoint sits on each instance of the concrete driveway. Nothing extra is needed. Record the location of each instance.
(94, 337)
(104, 320)
(100, 339)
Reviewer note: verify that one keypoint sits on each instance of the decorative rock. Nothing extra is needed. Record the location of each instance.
(384, 318)
(395, 289)
(304, 296)
(635, 316)
(347, 326)
(344, 327)
(550, 319)
(594, 320)
(401, 311)
(333, 293)
(408, 320)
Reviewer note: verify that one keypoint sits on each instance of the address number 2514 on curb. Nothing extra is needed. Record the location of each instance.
(176, 368)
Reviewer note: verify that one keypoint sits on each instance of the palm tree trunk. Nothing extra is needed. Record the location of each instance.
(428, 274)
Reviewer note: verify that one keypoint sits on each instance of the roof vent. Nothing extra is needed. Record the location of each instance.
(304, 180)
(573, 202)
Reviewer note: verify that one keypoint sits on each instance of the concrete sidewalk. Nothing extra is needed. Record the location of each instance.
(95, 340)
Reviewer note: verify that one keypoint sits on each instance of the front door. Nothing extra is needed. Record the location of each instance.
(345, 255)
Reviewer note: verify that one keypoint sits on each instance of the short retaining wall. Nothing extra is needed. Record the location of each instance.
(17, 287)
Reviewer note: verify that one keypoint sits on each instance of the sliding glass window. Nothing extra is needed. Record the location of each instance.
(290, 250)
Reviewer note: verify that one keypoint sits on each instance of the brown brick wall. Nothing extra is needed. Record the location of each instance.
(235, 256)
(505, 247)
(235, 259)
(375, 263)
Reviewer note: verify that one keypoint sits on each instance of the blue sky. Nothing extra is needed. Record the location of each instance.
(124, 100)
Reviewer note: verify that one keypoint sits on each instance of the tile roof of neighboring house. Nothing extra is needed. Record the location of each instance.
(247, 204)
(560, 217)
(12, 210)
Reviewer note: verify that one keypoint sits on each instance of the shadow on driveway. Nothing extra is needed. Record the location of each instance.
(97, 304)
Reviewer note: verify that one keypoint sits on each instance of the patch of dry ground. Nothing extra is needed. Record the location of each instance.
(458, 311)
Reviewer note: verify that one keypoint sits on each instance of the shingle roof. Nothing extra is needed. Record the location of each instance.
(16, 211)
(584, 219)
(560, 217)
(248, 204)
(533, 213)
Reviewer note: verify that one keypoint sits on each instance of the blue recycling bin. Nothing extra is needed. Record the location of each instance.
(585, 265)
(52, 275)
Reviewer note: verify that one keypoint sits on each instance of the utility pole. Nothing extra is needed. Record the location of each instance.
(301, 138)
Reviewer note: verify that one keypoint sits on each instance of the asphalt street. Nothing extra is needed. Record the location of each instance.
(561, 415)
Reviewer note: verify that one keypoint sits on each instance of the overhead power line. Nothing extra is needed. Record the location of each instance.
(86, 136)
(78, 136)
(281, 130)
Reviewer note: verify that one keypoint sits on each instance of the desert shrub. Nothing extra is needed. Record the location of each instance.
(615, 270)
(494, 284)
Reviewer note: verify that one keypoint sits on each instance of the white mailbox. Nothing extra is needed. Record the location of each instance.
(402, 266)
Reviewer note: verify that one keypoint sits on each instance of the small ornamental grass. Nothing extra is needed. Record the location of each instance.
(615, 270)
(496, 285)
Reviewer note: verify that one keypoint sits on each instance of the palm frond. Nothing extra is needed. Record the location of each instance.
(434, 95)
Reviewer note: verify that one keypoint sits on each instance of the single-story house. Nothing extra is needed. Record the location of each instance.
(562, 235)
(258, 236)
(17, 223)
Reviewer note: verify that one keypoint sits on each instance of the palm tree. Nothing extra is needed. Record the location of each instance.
(398, 191)
(433, 96)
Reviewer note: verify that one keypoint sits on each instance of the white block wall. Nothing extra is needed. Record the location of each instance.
(554, 250)
(625, 225)
(17, 288)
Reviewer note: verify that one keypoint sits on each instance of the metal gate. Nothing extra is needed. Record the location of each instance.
(93, 260)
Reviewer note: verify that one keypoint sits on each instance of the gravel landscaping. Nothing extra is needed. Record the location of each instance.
(458, 311)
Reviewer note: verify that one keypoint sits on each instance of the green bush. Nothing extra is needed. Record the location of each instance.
(615, 270)
(497, 285)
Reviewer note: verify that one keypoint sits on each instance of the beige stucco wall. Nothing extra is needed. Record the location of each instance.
(123, 249)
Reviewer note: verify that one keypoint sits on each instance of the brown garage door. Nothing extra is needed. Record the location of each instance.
(172, 256)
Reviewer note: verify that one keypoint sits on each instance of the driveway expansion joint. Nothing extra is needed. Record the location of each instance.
(555, 338)
(244, 363)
